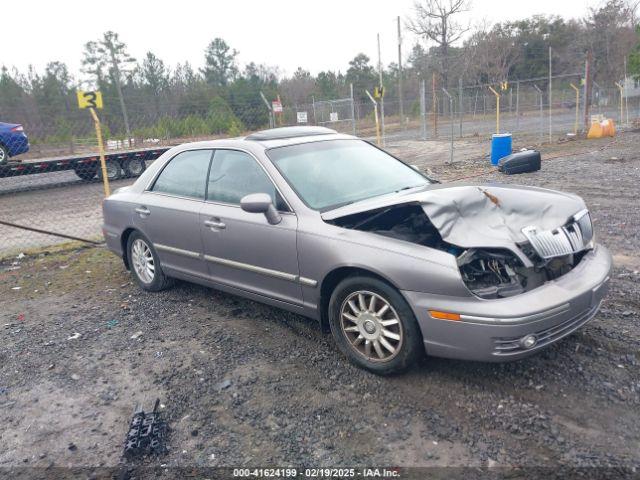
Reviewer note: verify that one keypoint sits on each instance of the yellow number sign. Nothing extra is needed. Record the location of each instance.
(89, 99)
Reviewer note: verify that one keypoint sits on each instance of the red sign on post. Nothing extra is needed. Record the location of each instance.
(276, 106)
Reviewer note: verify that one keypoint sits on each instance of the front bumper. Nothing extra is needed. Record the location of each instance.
(490, 330)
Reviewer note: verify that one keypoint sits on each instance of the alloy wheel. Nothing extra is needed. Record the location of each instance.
(371, 325)
(142, 259)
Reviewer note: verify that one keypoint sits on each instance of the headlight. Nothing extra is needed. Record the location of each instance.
(583, 220)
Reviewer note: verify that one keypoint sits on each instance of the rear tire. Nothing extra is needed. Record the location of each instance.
(86, 172)
(4, 155)
(134, 167)
(114, 171)
(145, 264)
(374, 326)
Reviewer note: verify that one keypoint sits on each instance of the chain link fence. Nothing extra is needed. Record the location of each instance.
(52, 193)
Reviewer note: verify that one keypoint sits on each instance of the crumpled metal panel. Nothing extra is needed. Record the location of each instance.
(482, 215)
(488, 215)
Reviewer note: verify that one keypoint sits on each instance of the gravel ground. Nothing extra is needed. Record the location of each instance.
(246, 384)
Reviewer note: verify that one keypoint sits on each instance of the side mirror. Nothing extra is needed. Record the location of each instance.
(261, 203)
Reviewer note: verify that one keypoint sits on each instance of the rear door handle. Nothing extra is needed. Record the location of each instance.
(143, 211)
(212, 224)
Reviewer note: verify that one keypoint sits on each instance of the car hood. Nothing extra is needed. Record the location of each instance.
(480, 215)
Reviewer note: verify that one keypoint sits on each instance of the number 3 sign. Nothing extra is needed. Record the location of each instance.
(89, 99)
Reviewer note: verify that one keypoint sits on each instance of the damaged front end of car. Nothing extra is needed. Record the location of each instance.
(553, 253)
(505, 240)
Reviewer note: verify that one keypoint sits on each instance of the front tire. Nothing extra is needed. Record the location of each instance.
(145, 264)
(374, 326)
(4, 155)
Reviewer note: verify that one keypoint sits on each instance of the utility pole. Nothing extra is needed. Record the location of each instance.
(588, 88)
(382, 95)
(550, 97)
(400, 99)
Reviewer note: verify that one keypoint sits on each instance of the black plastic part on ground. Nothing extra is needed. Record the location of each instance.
(520, 162)
(147, 433)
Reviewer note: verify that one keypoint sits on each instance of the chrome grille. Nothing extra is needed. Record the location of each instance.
(571, 238)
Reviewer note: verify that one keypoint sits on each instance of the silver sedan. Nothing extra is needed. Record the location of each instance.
(392, 262)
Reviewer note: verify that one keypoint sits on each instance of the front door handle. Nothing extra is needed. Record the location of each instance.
(212, 224)
(143, 211)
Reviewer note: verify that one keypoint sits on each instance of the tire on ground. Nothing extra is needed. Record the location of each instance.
(411, 348)
(86, 171)
(4, 155)
(134, 167)
(114, 170)
(160, 281)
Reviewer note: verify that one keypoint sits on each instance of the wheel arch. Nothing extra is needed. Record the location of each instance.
(124, 239)
(333, 278)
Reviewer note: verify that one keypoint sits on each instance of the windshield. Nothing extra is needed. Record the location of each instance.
(332, 173)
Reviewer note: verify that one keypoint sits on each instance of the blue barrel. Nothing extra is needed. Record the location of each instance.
(500, 146)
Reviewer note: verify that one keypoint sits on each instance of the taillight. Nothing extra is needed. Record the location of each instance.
(17, 128)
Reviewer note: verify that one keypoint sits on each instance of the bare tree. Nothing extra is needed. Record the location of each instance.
(435, 20)
(491, 53)
(611, 36)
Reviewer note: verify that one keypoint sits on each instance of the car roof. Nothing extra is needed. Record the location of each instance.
(272, 138)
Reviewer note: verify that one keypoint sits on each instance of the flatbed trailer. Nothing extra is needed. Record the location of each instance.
(122, 163)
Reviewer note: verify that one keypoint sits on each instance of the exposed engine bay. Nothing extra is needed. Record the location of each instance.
(487, 272)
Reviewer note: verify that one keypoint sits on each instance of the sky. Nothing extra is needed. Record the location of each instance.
(320, 35)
